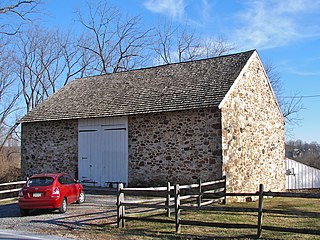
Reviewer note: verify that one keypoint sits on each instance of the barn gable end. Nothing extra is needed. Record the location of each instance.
(252, 133)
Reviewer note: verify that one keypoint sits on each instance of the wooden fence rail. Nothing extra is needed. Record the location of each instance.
(7, 191)
(166, 198)
(173, 199)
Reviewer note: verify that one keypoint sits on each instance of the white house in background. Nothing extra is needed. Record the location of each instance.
(301, 176)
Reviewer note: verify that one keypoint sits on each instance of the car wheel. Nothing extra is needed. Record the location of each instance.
(24, 212)
(63, 207)
(82, 197)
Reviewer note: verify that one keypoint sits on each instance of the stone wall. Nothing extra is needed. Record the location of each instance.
(253, 135)
(49, 147)
(179, 147)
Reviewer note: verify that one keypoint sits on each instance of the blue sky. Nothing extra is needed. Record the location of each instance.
(285, 33)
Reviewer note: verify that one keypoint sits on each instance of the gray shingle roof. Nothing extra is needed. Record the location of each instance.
(180, 86)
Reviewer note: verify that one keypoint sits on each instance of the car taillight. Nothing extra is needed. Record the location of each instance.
(20, 193)
(56, 192)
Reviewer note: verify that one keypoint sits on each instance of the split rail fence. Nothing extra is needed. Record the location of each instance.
(174, 198)
(9, 188)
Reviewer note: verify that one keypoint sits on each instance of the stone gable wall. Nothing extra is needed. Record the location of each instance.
(253, 135)
(49, 147)
(179, 147)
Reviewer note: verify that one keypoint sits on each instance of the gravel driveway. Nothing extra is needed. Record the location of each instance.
(98, 211)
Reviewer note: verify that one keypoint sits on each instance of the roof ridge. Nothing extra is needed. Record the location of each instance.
(170, 64)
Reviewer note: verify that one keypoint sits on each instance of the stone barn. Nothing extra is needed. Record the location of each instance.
(178, 122)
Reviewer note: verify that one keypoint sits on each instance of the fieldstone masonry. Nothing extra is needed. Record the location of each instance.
(50, 146)
(253, 135)
(179, 147)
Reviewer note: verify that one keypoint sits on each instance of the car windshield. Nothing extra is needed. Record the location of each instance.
(40, 181)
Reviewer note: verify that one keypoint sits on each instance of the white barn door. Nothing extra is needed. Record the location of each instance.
(87, 154)
(113, 158)
(103, 151)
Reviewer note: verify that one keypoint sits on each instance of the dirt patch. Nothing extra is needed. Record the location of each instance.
(97, 214)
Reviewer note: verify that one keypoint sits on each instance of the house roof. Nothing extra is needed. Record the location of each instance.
(171, 87)
(304, 162)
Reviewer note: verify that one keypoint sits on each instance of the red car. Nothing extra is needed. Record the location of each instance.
(50, 191)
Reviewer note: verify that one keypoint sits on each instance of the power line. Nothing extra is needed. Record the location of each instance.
(305, 96)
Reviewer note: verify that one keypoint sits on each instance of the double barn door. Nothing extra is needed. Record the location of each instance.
(103, 151)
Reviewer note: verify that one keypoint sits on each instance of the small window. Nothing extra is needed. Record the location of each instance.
(69, 179)
(66, 179)
(62, 180)
(38, 182)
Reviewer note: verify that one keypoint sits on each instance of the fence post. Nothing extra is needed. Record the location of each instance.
(168, 200)
(200, 194)
(260, 209)
(177, 207)
(224, 201)
(120, 209)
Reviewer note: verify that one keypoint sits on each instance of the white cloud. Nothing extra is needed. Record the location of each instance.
(268, 24)
(297, 6)
(173, 8)
(206, 9)
(303, 73)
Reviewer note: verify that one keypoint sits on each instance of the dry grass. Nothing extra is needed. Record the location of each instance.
(10, 164)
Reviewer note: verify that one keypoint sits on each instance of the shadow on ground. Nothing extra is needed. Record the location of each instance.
(80, 221)
(9, 210)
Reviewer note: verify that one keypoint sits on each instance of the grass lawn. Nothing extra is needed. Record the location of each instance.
(278, 225)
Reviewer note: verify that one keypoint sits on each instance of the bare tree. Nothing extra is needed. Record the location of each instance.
(76, 58)
(39, 64)
(164, 43)
(290, 106)
(15, 13)
(45, 61)
(216, 47)
(116, 43)
(274, 78)
(9, 94)
(188, 45)
(179, 44)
